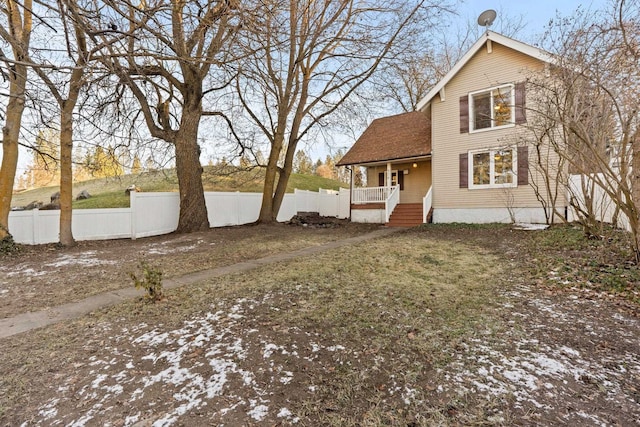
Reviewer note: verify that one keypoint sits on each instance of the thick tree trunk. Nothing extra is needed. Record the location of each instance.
(283, 180)
(10, 135)
(193, 209)
(267, 210)
(66, 176)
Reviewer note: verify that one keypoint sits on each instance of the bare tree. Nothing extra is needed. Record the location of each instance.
(307, 59)
(421, 64)
(68, 77)
(591, 96)
(165, 52)
(16, 31)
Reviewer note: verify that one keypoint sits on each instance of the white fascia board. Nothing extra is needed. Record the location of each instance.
(527, 49)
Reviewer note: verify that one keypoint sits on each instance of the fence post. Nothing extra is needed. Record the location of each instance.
(132, 207)
(238, 207)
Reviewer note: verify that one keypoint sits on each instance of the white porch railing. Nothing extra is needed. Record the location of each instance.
(370, 194)
(427, 202)
(391, 202)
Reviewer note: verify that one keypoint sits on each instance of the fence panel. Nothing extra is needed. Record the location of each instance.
(21, 224)
(307, 201)
(288, 208)
(329, 202)
(344, 205)
(249, 207)
(152, 214)
(602, 205)
(101, 224)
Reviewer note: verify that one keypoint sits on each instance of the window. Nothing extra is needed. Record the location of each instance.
(492, 108)
(493, 168)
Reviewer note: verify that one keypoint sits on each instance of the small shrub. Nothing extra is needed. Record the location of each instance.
(151, 281)
(8, 245)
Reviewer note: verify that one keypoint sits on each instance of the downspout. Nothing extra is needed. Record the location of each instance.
(350, 169)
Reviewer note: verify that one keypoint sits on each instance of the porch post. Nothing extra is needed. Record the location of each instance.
(388, 174)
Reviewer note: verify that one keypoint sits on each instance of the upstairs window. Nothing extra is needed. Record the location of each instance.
(492, 108)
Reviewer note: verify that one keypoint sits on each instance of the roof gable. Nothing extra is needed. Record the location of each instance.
(516, 45)
(402, 136)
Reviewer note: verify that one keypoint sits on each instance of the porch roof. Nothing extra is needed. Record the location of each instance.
(402, 136)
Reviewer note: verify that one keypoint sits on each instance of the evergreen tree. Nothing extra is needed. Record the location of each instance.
(302, 163)
(136, 168)
(45, 168)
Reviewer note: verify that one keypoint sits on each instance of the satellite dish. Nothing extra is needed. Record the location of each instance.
(486, 18)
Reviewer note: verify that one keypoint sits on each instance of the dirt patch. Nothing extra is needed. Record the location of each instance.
(432, 326)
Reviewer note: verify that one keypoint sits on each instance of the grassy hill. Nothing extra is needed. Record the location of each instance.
(109, 192)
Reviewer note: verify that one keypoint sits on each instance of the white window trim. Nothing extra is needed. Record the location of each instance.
(491, 151)
(393, 172)
(472, 121)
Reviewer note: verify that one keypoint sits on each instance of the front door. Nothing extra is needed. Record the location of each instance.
(397, 178)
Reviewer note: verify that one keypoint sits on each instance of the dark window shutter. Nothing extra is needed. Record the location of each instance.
(381, 182)
(464, 114)
(523, 165)
(464, 170)
(521, 115)
(401, 180)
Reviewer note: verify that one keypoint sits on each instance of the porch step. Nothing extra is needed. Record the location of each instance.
(406, 215)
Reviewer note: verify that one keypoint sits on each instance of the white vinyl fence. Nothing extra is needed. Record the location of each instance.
(152, 214)
(601, 204)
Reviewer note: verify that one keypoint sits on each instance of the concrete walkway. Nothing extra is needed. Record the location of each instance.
(38, 319)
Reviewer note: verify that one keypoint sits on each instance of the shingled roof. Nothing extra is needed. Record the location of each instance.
(402, 136)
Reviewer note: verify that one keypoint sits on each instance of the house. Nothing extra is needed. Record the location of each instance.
(460, 157)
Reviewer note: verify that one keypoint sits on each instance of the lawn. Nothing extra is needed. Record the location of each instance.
(437, 325)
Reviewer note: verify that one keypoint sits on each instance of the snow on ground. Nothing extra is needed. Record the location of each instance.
(529, 227)
(85, 259)
(218, 363)
(186, 369)
(539, 375)
(164, 248)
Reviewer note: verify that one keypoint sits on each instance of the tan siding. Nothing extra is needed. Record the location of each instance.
(483, 71)
(416, 183)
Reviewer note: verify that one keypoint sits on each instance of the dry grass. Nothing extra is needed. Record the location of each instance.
(400, 305)
(47, 275)
(404, 311)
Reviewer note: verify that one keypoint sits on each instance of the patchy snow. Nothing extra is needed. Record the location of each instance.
(257, 412)
(164, 248)
(200, 364)
(529, 227)
(19, 271)
(85, 259)
(532, 371)
(217, 363)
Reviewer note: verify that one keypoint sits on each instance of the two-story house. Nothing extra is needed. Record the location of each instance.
(461, 156)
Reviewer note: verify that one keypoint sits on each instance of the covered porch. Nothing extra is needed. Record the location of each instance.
(401, 197)
(396, 154)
